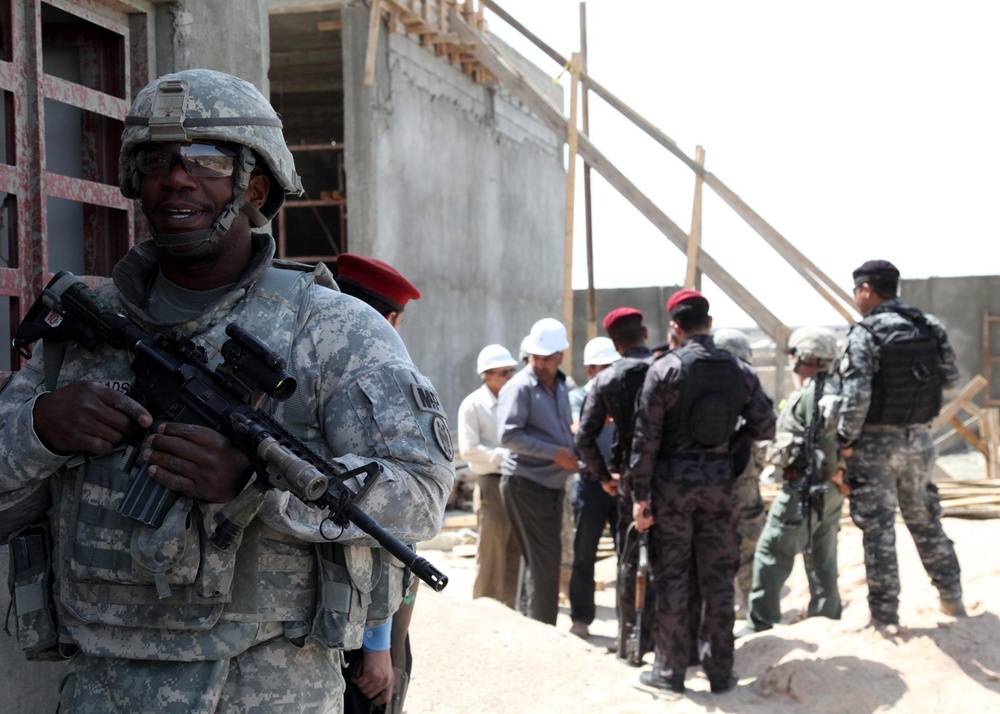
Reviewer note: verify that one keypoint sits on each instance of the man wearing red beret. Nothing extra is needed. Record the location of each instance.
(376, 283)
(612, 396)
(386, 661)
(682, 479)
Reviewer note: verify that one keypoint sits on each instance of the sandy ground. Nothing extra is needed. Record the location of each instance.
(478, 656)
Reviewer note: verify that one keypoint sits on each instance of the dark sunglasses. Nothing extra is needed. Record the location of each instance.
(199, 160)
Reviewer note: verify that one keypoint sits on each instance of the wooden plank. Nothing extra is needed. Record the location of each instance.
(506, 17)
(750, 304)
(572, 140)
(692, 280)
(588, 218)
(992, 438)
(521, 86)
(374, 21)
(973, 387)
(795, 258)
(969, 436)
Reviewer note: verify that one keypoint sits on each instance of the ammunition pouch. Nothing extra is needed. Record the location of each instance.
(30, 581)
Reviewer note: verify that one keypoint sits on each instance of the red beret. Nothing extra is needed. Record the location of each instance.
(619, 313)
(691, 298)
(376, 277)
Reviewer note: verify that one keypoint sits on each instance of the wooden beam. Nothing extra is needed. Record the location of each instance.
(588, 218)
(973, 387)
(750, 304)
(374, 22)
(692, 280)
(969, 435)
(519, 85)
(572, 142)
(795, 258)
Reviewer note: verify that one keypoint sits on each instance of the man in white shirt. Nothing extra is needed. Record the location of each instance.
(498, 555)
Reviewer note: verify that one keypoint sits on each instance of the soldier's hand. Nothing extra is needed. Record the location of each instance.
(847, 451)
(87, 416)
(611, 487)
(565, 459)
(376, 677)
(838, 481)
(196, 461)
(643, 516)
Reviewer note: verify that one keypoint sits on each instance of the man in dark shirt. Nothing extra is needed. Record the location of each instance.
(682, 479)
(613, 396)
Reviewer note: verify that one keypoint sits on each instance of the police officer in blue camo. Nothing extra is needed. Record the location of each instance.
(814, 350)
(159, 618)
(897, 364)
(683, 474)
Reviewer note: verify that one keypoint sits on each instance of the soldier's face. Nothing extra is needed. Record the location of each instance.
(182, 190)
(863, 298)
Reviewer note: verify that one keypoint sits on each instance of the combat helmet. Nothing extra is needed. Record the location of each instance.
(205, 105)
(735, 342)
(814, 344)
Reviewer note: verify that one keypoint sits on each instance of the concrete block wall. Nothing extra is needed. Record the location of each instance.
(463, 191)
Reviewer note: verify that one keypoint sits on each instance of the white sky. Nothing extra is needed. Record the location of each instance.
(857, 129)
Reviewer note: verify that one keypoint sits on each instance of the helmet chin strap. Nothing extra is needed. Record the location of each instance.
(197, 243)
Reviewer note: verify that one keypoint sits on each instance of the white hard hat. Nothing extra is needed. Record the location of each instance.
(600, 351)
(547, 337)
(494, 357)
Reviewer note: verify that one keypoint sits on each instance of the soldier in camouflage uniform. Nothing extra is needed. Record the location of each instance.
(747, 462)
(682, 477)
(897, 363)
(786, 534)
(161, 619)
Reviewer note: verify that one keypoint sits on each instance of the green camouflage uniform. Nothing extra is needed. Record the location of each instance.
(786, 533)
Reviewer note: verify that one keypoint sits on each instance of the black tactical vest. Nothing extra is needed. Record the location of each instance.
(908, 386)
(713, 394)
(630, 373)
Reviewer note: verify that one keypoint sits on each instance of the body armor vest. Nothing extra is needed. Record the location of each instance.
(630, 374)
(117, 578)
(907, 388)
(712, 396)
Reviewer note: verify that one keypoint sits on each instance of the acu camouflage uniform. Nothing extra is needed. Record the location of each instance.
(163, 620)
(786, 534)
(690, 488)
(892, 463)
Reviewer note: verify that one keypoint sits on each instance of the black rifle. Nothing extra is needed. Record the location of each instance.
(174, 383)
(633, 644)
(811, 486)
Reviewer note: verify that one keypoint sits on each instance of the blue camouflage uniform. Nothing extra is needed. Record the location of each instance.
(892, 461)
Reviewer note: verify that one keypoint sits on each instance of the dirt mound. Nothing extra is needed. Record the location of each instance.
(476, 655)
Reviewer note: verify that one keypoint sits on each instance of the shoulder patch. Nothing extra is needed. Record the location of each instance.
(442, 437)
(427, 400)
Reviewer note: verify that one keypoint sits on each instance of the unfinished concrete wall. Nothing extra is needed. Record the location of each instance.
(459, 188)
(225, 35)
(959, 303)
